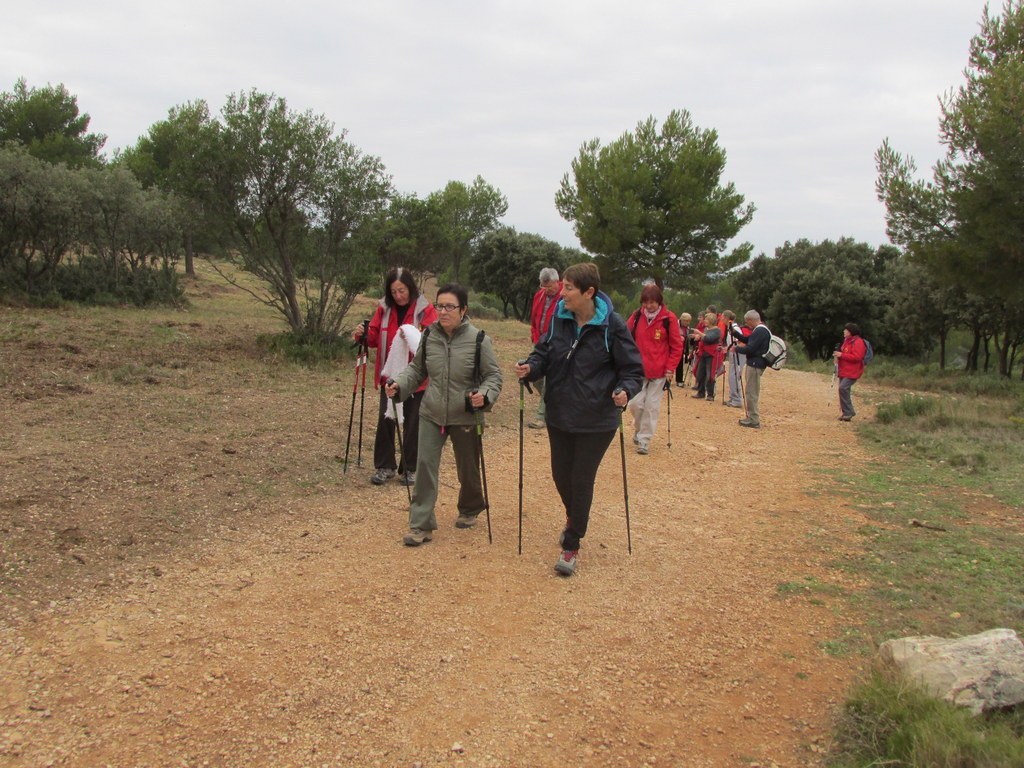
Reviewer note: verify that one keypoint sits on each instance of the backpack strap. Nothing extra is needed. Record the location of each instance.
(635, 320)
(476, 358)
(423, 348)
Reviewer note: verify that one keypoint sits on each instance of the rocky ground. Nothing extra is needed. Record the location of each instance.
(189, 578)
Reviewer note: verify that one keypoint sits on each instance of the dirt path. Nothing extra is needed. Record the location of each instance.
(300, 632)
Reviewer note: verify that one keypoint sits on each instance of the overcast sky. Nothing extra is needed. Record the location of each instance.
(801, 92)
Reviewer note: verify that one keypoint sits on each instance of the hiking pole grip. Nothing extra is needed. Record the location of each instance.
(524, 382)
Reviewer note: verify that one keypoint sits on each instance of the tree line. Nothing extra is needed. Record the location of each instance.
(288, 198)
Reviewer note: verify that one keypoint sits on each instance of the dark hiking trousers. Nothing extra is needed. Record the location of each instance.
(385, 441)
(575, 457)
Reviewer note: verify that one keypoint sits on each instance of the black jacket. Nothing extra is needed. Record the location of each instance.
(584, 366)
(756, 346)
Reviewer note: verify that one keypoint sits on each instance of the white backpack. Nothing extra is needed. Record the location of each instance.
(776, 354)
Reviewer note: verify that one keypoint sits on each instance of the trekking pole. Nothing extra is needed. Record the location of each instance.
(483, 467)
(668, 388)
(398, 432)
(523, 386)
(362, 393)
(730, 356)
(360, 361)
(832, 386)
(743, 397)
(725, 381)
(625, 486)
(351, 416)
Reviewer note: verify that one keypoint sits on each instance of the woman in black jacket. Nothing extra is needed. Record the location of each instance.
(592, 368)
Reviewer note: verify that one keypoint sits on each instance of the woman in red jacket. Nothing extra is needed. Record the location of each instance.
(849, 367)
(709, 357)
(402, 305)
(656, 332)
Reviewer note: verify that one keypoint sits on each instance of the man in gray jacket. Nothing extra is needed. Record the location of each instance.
(465, 381)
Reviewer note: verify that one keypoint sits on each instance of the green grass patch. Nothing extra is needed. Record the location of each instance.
(930, 378)
(807, 586)
(941, 556)
(305, 349)
(886, 721)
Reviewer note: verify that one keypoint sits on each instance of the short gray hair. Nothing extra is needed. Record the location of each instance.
(752, 314)
(549, 275)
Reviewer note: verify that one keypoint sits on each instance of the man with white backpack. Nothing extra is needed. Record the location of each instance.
(753, 348)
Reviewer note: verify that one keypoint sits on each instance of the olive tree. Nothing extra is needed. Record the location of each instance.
(300, 201)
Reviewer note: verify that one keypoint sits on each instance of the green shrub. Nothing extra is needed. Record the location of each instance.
(305, 349)
(908, 406)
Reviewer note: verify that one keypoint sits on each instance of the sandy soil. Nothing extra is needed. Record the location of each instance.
(189, 579)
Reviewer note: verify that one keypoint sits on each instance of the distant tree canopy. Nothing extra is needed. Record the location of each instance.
(967, 224)
(177, 155)
(507, 264)
(809, 291)
(46, 121)
(467, 213)
(411, 233)
(436, 235)
(651, 204)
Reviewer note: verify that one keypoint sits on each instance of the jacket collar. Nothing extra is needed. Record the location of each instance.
(602, 310)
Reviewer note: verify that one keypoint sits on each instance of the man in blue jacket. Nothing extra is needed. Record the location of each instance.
(753, 348)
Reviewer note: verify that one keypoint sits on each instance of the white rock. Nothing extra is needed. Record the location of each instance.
(980, 672)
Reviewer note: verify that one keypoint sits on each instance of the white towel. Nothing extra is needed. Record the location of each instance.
(403, 349)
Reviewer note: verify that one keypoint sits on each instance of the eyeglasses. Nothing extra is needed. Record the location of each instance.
(446, 307)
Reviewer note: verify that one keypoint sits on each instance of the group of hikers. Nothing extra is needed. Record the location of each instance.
(438, 375)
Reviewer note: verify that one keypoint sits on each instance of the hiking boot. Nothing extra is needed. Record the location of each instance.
(734, 405)
(749, 423)
(465, 521)
(710, 398)
(680, 384)
(407, 478)
(381, 476)
(698, 395)
(566, 565)
(536, 424)
(415, 537)
(642, 449)
(846, 418)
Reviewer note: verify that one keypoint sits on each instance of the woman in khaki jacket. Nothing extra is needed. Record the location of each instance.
(465, 381)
